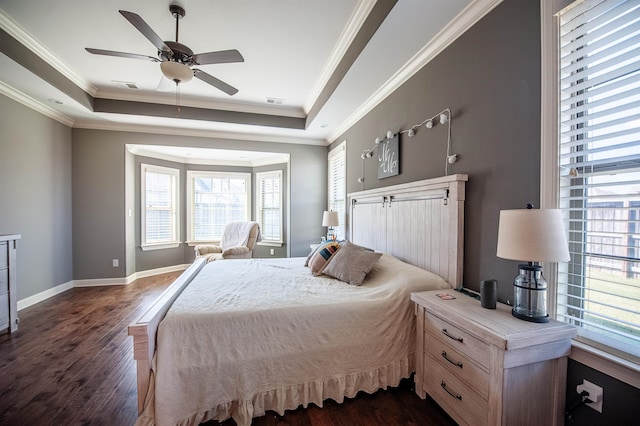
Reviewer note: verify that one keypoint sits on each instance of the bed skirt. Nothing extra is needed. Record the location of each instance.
(292, 397)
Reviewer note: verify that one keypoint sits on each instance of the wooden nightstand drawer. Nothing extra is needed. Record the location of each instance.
(462, 403)
(457, 364)
(464, 342)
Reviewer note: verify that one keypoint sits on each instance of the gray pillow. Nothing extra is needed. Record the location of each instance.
(351, 264)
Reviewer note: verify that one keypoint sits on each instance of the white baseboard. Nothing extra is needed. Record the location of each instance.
(158, 271)
(44, 295)
(99, 282)
(128, 280)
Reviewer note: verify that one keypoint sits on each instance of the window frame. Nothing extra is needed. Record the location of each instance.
(338, 153)
(591, 352)
(192, 174)
(261, 176)
(175, 208)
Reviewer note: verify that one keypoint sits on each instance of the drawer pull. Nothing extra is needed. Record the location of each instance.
(457, 364)
(455, 395)
(446, 333)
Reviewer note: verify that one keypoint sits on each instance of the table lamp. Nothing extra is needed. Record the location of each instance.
(330, 219)
(531, 235)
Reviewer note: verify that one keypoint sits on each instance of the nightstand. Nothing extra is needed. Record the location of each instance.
(485, 367)
(8, 284)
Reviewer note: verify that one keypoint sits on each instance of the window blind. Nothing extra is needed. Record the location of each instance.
(599, 158)
(270, 205)
(337, 192)
(159, 201)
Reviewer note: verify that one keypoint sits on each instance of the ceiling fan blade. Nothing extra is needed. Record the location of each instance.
(146, 30)
(229, 90)
(121, 54)
(220, 57)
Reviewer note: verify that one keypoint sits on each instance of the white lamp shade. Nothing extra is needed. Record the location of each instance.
(175, 71)
(330, 218)
(532, 235)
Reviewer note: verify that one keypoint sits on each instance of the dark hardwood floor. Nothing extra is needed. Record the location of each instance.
(70, 363)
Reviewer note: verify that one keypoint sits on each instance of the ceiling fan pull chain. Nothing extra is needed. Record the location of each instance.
(178, 99)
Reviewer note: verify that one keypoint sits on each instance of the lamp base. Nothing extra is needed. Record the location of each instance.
(529, 318)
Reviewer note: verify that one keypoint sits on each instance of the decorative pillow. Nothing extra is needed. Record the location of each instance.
(322, 256)
(351, 264)
(306, 262)
(343, 242)
(315, 250)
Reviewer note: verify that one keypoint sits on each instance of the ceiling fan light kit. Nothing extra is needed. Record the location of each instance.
(176, 59)
(177, 72)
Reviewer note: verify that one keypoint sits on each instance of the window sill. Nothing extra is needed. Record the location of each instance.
(271, 243)
(609, 364)
(206, 243)
(150, 247)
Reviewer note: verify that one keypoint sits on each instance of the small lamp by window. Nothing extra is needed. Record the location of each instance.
(531, 235)
(330, 219)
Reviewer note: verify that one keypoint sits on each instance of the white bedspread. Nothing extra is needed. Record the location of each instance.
(252, 335)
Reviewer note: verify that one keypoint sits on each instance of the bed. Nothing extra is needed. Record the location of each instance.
(240, 337)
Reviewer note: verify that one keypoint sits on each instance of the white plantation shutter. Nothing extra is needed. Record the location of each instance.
(337, 191)
(269, 209)
(215, 199)
(599, 155)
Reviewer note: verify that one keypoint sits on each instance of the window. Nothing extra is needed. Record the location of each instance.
(269, 209)
(215, 199)
(159, 194)
(599, 174)
(337, 186)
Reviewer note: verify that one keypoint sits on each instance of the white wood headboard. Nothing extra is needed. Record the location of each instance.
(421, 223)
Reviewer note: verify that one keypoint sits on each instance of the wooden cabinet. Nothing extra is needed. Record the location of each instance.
(485, 367)
(8, 285)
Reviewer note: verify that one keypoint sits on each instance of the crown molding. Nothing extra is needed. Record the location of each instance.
(18, 33)
(35, 105)
(461, 23)
(355, 22)
(284, 111)
(204, 133)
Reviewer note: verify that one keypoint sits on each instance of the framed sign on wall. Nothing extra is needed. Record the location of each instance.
(389, 157)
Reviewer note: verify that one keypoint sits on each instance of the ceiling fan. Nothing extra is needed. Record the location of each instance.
(176, 59)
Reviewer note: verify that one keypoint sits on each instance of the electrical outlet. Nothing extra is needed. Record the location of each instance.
(595, 394)
(115, 263)
(272, 251)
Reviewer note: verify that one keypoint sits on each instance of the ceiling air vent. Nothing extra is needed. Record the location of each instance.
(125, 84)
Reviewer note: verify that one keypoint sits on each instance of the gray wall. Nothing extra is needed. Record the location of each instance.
(102, 176)
(490, 78)
(35, 195)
